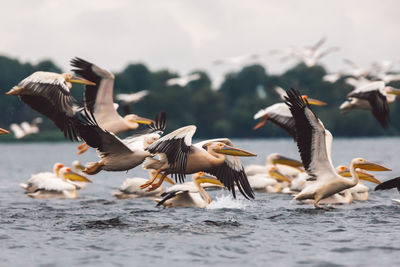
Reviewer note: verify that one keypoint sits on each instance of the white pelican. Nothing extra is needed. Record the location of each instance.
(129, 99)
(117, 154)
(60, 187)
(49, 94)
(389, 184)
(374, 96)
(287, 166)
(131, 188)
(189, 194)
(311, 141)
(99, 100)
(26, 128)
(357, 71)
(3, 131)
(32, 183)
(179, 157)
(237, 60)
(272, 181)
(183, 81)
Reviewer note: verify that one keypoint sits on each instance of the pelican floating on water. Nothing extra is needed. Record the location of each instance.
(373, 96)
(288, 166)
(99, 100)
(216, 156)
(273, 181)
(49, 94)
(189, 194)
(311, 141)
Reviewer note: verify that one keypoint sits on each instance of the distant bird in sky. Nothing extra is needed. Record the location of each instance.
(128, 99)
(26, 128)
(49, 94)
(374, 96)
(184, 80)
(237, 60)
(356, 71)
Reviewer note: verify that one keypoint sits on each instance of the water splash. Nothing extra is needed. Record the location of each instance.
(228, 202)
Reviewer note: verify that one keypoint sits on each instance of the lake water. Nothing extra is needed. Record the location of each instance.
(98, 230)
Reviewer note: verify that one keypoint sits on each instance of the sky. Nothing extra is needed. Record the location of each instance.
(189, 35)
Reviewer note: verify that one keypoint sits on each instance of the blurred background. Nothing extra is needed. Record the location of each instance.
(240, 50)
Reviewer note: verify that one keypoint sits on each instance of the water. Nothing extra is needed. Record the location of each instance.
(98, 230)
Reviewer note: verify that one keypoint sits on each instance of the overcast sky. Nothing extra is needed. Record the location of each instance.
(187, 34)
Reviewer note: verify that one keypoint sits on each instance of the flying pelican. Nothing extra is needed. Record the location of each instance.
(189, 194)
(311, 141)
(374, 96)
(357, 71)
(98, 100)
(131, 188)
(26, 128)
(3, 131)
(129, 99)
(179, 157)
(49, 94)
(183, 81)
(117, 154)
(236, 61)
(49, 187)
(392, 183)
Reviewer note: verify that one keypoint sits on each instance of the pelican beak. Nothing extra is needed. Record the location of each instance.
(73, 176)
(278, 175)
(169, 180)
(288, 161)
(228, 150)
(393, 91)
(261, 123)
(363, 175)
(141, 120)
(370, 166)
(79, 80)
(316, 102)
(2, 131)
(206, 178)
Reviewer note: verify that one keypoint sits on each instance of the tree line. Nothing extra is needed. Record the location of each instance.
(223, 112)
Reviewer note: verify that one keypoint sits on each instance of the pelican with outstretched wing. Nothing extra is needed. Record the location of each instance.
(178, 156)
(389, 184)
(374, 96)
(311, 141)
(99, 100)
(49, 94)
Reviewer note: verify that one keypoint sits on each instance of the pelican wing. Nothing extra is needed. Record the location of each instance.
(280, 115)
(98, 98)
(176, 147)
(49, 94)
(105, 142)
(310, 137)
(392, 183)
(373, 94)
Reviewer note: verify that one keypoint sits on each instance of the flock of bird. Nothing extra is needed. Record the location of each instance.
(213, 163)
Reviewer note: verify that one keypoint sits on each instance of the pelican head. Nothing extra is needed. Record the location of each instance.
(391, 90)
(67, 174)
(56, 168)
(223, 148)
(275, 173)
(363, 175)
(202, 177)
(69, 78)
(276, 158)
(2, 131)
(367, 165)
(312, 101)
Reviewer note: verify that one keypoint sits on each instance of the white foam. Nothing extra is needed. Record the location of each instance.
(228, 202)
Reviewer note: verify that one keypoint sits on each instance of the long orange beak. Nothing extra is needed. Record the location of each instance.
(2, 131)
(371, 166)
(228, 150)
(79, 80)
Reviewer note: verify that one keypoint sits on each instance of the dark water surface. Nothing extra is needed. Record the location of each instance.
(98, 230)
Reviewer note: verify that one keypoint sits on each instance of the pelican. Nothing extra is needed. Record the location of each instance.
(273, 181)
(117, 154)
(26, 128)
(311, 141)
(129, 99)
(98, 100)
(49, 94)
(32, 183)
(3, 131)
(374, 96)
(279, 113)
(49, 187)
(237, 60)
(392, 183)
(287, 166)
(179, 157)
(131, 188)
(183, 81)
(189, 194)
(357, 71)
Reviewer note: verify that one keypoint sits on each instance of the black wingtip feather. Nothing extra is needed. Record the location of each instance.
(392, 183)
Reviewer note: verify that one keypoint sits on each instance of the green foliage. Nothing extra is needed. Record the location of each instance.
(227, 111)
